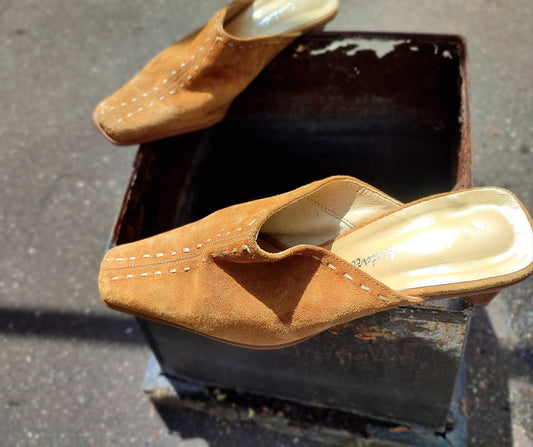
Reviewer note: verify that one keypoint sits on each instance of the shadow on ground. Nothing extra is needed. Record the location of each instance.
(77, 325)
(490, 368)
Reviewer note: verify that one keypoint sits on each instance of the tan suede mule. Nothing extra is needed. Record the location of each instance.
(191, 84)
(276, 271)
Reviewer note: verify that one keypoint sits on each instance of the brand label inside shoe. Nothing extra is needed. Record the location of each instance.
(376, 257)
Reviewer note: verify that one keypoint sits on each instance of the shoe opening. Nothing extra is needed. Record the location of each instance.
(323, 215)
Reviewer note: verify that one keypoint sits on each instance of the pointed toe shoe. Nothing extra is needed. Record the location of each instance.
(191, 84)
(275, 271)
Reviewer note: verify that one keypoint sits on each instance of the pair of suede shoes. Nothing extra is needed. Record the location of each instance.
(273, 272)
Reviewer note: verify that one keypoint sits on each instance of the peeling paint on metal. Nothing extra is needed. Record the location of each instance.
(351, 46)
(447, 338)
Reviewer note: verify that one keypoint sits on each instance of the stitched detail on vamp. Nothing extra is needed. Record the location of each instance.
(347, 276)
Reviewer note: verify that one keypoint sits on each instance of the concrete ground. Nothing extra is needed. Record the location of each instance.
(71, 371)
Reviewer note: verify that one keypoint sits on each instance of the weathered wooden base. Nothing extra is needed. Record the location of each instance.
(333, 428)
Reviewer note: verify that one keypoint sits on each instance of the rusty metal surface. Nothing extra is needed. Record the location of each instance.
(398, 366)
(390, 109)
(330, 427)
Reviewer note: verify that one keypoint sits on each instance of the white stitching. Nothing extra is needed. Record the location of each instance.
(362, 286)
(185, 250)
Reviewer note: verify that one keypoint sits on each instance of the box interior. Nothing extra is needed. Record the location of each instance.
(388, 109)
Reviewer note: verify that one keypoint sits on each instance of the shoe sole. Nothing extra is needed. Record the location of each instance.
(217, 119)
(239, 345)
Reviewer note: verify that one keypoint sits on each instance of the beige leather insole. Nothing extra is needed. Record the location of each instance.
(466, 236)
(267, 17)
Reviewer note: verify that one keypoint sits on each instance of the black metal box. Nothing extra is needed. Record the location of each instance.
(390, 109)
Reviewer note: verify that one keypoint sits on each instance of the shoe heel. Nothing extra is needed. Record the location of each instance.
(483, 299)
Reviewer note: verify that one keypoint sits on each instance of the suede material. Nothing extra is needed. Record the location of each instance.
(213, 276)
(189, 85)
